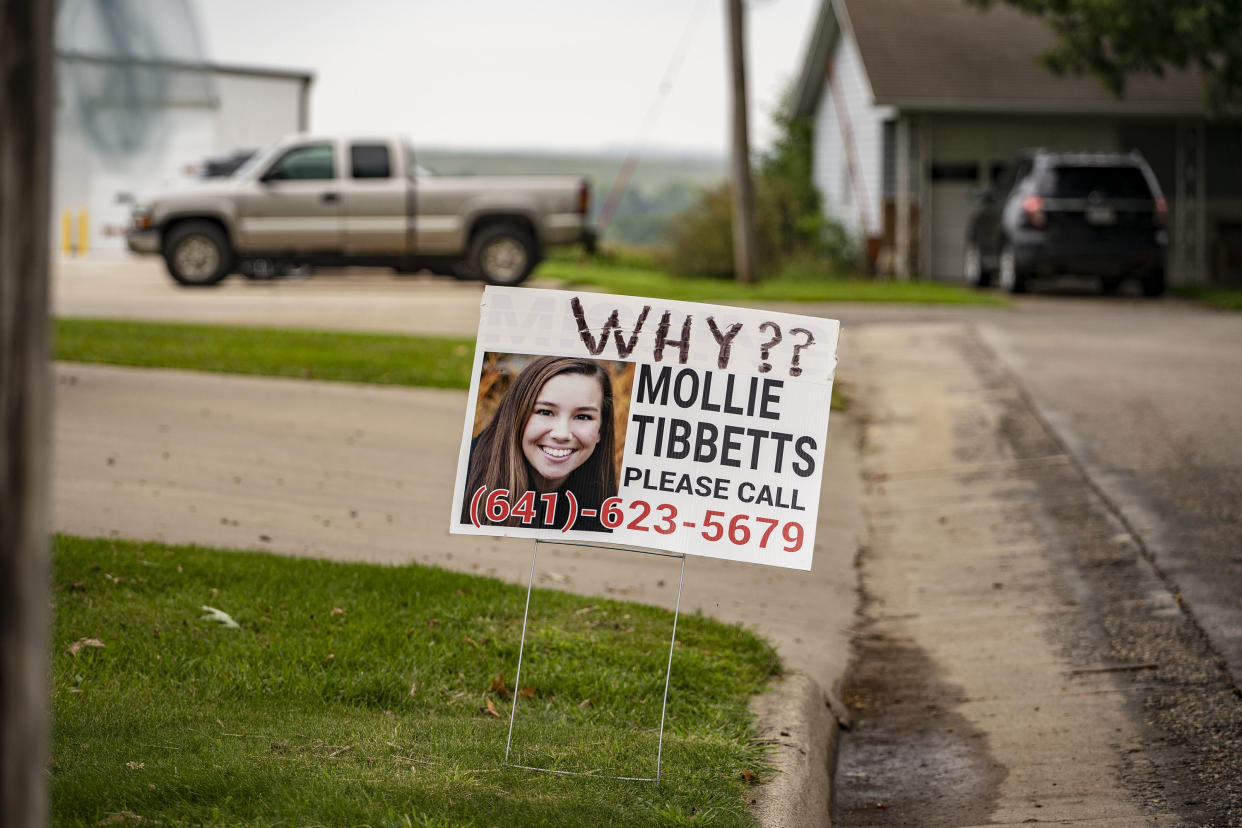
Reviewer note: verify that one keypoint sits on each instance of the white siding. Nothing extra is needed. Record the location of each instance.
(256, 110)
(863, 127)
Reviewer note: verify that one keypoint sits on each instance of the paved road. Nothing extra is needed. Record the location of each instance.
(1148, 397)
(1022, 661)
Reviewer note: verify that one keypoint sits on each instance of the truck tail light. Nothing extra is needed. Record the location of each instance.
(1160, 214)
(1033, 210)
(584, 197)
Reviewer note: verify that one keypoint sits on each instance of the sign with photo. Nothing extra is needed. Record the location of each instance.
(692, 428)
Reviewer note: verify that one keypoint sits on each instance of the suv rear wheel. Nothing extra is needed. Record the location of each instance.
(197, 254)
(1153, 282)
(972, 266)
(1011, 278)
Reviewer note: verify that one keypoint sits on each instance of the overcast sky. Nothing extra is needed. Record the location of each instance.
(542, 74)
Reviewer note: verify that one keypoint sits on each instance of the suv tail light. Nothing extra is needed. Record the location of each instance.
(1160, 214)
(1033, 210)
(584, 197)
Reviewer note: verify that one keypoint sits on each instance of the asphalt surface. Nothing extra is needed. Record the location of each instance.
(1148, 396)
(1022, 660)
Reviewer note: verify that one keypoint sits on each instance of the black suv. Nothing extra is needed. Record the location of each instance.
(1083, 214)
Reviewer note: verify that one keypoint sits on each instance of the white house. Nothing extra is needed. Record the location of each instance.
(916, 103)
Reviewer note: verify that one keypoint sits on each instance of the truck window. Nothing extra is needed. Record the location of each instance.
(309, 162)
(369, 161)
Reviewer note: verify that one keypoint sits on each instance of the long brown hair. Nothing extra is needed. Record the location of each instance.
(497, 462)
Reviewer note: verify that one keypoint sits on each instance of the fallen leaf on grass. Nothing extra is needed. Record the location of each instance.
(213, 614)
(498, 686)
(526, 693)
(749, 775)
(337, 611)
(585, 703)
(490, 709)
(83, 642)
(413, 688)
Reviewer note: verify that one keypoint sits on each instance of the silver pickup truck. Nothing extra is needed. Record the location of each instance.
(359, 201)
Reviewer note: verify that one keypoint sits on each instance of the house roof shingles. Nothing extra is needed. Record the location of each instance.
(945, 55)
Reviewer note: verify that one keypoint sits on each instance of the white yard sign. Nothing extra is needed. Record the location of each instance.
(697, 429)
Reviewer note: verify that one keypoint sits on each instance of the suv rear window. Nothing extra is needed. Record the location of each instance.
(1082, 181)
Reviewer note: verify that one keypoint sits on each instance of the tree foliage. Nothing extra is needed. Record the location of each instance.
(1115, 39)
(789, 224)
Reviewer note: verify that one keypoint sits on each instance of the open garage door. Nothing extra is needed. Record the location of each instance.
(951, 188)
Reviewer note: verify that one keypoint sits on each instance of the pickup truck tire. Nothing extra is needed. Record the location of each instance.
(197, 253)
(503, 254)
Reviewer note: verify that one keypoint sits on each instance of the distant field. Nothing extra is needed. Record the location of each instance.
(652, 172)
(662, 184)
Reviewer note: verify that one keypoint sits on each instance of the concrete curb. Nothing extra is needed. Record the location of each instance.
(794, 718)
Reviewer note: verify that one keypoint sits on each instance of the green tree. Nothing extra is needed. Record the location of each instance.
(1114, 39)
(790, 227)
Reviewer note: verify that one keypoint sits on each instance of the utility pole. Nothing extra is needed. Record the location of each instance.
(26, 96)
(743, 189)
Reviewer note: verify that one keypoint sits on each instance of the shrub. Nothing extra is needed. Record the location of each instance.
(791, 232)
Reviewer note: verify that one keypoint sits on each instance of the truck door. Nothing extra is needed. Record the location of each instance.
(374, 208)
(295, 205)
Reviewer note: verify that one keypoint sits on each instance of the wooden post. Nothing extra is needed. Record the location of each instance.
(743, 189)
(26, 96)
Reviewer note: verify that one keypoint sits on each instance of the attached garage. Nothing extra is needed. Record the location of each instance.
(908, 126)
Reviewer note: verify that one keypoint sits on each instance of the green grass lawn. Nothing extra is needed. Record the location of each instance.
(439, 362)
(1222, 298)
(364, 695)
(636, 280)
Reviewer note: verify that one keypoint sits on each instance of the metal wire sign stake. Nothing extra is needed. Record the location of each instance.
(667, 674)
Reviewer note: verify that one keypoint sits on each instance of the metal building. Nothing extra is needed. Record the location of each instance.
(139, 105)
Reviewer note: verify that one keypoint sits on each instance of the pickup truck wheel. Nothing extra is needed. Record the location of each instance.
(503, 254)
(197, 254)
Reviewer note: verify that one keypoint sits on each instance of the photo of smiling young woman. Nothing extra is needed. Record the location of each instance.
(548, 424)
